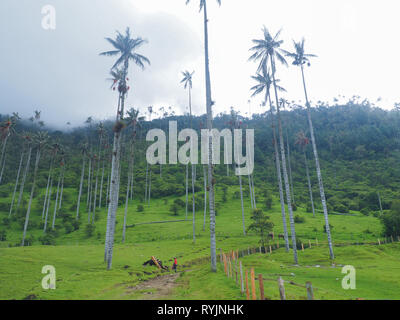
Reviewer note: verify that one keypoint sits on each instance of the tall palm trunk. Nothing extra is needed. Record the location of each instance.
(3, 157)
(285, 174)
(254, 191)
(319, 175)
(62, 188)
(21, 188)
(47, 188)
(205, 196)
(47, 206)
(80, 187)
(241, 200)
(210, 146)
(56, 203)
(290, 166)
(194, 205)
(251, 193)
(114, 186)
(147, 177)
(309, 184)
(89, 183)
(279, 176)
(31, 197)
(16, 183)
(95, 193)
(108, 189)
(101, 185)
(149, 195)
(126, 206)
(187, 190)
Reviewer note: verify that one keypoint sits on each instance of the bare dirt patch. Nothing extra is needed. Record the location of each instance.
(157, 288)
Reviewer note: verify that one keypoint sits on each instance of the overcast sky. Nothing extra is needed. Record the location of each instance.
(60, 72)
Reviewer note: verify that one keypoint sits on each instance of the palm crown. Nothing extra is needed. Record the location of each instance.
(299, 56)
(264, 82)
(202, 2)
(187, 79)
(267, 48)
(125, 46)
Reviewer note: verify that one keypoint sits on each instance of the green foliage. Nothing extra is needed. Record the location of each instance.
(3, 235)
(174, 209)
(391, 221)
(89, 230)
(140, 208)
(299, 219)
(261, 225)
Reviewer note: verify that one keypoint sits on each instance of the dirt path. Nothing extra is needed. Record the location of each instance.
(155, 289)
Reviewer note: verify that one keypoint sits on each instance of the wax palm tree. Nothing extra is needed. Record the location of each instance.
(6, 129)
(125, 48)
(209, 104)
(302, 141)
(40, 139)
(16, 182)
(267, 50)
(53, 153)
(188, 84)
(300, 58)
(264, 83)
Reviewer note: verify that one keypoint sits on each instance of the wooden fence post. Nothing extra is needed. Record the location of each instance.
(277, 244)
(253, 284)
(309, 244)
(281, 288)
(225, 266)
(302, 246)
(270, 249)
(379, 242)
(316, 241)
(220, 256)
(310, 292)
(241, 277)
(230, 268)
(261, 283)
(247, 286)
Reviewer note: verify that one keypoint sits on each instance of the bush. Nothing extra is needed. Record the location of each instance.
(174, 209)
(6, 221)
(341, 208)
(391, 220)
(140, 208)
(89, 230)
(69, 228)
(365, 211)
(268, 203)
(3, 235)
(309, 208)
(330, 227)
(299, 219)
(180, 203)
(48, 239)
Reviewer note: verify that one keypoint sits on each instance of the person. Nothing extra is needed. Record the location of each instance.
(175, 265)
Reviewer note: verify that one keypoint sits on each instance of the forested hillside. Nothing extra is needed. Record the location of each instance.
(358, 146)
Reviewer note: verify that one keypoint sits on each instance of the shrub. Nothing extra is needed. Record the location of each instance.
(3, 235)
(268, 203)
(6, 221)
(299, 219)
(391, 220)
(174, 209)
(89, 230)
(48, 239)
(330, 227)
(365, 211)
(180, 203)
(140, 208)
(69, 228)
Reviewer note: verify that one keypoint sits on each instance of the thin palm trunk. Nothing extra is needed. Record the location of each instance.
(126, 207)
(89, 183)
(31, 197)
(147, 176)
(187, 190)
(21, 188)
(101, 185)
(241, 201)
(285, 174)
(380, 203)
(47, 206)
(16, 183)
(290, 166)
(3, 157)
(319, 175)
(213, 249)
(149, 195)
(279, 176)
(251, 192)
(62, 188)
(194, 205)
(56, 203)
(205, 196)
(309, 184)
(47, 188)
(254, 192)
(95, 193)
(80, 187)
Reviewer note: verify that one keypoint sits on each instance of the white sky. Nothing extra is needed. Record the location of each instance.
(355, 40)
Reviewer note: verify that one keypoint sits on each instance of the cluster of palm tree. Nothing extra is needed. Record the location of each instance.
(267, 52)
